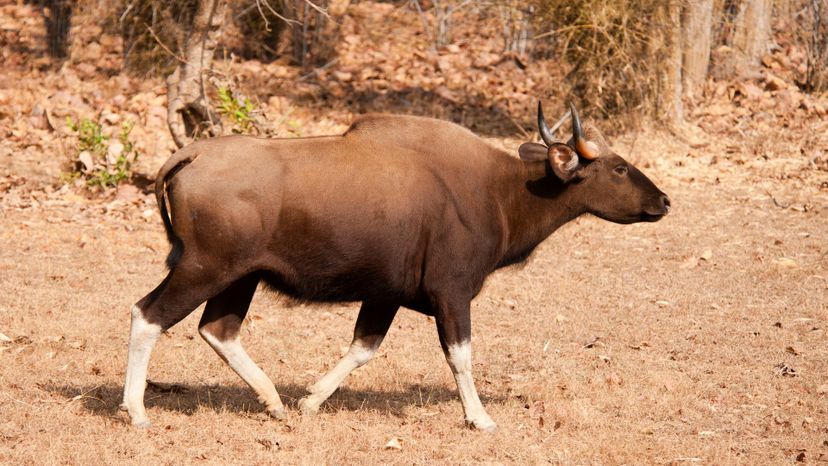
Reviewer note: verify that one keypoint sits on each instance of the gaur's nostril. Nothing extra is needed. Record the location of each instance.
(665, 201)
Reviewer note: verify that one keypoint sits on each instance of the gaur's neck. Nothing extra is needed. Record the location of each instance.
(536, 203)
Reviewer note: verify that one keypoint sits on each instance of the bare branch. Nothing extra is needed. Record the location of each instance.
(560, 121)
(422, 17)
(316, 7)
(166, 49)
(270, 8)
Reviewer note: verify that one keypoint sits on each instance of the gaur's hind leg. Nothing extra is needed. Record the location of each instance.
(185, 287)
(371, 326)
(454, 327)
(220, 326)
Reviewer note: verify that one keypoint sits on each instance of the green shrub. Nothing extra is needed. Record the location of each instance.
(239, 111)
(99, 162)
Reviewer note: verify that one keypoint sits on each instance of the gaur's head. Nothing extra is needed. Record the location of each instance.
(609, 186)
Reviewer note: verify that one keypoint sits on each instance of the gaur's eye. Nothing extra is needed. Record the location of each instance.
(621, 170)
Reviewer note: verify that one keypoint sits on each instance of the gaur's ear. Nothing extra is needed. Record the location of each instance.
(564, 161)
(532, 152)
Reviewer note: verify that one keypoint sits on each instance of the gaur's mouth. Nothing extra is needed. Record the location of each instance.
(649, 217)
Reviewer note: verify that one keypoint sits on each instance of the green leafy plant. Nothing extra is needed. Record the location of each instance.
(101, 162)
(238, 111)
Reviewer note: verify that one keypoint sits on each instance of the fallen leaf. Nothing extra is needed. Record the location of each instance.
(394, 444)
(784, 370)
(663, 303)
(267, 444)
(792, 350)
(592, 343)
(787, 263)
(689, 263)
(774, 83)
(78, 345)
(344, 76)
(537, 410)
(85, 158)
(4, 338)
(114, 150)
(706, 255)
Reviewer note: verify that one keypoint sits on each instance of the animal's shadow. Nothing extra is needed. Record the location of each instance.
(104, 400)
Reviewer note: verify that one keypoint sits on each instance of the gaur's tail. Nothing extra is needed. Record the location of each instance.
(175, 163)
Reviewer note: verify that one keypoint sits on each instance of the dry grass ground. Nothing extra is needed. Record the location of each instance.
(696, 340)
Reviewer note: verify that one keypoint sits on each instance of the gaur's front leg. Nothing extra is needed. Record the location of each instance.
(454, 327)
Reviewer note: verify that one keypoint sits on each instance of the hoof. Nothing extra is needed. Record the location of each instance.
(278, 413)
(123, 407)
(487, 426)
(145, 424)
(307, 407)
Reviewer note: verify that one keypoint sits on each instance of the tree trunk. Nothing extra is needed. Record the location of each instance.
(57, 15)
(670, 108)
(697, 22)
(188, 109)
(516, 26)
(752, 27)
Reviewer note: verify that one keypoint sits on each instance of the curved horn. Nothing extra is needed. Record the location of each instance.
(588, 149)
(545, 133)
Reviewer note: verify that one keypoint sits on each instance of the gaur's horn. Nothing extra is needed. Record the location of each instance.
(545, 133)
(585, 148)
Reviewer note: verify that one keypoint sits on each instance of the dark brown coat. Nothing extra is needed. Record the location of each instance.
(397, 211)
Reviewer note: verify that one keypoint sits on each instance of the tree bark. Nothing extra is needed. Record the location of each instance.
(697, 22)
(752, 27)
(671, 109)
(57, 16)
(188, 109)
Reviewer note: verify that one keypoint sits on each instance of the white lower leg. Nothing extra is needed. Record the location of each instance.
(459, 359)
(142, 338)
(356, 356)
(233, 353)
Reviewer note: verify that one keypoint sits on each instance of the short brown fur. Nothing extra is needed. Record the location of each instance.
(397, 211)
